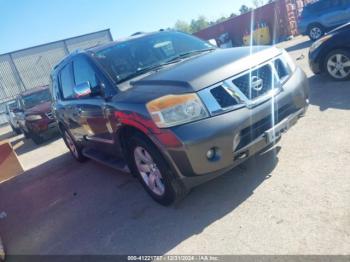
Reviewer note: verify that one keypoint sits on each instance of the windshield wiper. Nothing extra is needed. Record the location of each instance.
(188, 54)
(140, 71)
(172, 60)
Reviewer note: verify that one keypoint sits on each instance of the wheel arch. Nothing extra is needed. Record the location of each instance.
(330, 51)
(315, 24)
(125, 132)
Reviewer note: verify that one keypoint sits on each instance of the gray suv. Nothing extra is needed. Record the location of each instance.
(319, 17)
(173, 109)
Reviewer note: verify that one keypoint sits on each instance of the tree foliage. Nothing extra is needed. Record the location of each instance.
(202, 22)
(245, 9)
(183, 26)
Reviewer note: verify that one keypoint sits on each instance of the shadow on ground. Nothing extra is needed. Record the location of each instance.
(24, 145)
(327, 93)
(7, 135)
(64, 207)
(299, 46)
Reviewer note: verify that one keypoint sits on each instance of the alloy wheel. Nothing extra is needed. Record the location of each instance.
(338, 66)
(71, 145)
(315, 33)
(149, 171)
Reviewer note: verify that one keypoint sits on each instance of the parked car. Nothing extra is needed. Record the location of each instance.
(321, 16)
(331, 54)
(10, 110)
(174, 109)
(34, 114)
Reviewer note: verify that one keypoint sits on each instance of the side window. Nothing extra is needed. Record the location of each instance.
(67, 81)
(84, 72)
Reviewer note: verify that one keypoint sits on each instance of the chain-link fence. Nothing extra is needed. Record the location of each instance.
(28, 68)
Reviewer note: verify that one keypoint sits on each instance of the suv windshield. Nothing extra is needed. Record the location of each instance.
(128, 59)
(36, 98)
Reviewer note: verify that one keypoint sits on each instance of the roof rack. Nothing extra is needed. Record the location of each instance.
(138, 33)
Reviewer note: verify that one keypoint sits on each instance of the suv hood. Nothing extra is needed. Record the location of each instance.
(207, 69)
(39, 109)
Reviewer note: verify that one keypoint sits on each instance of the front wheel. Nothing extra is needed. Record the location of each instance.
(37, 139)
(153, 172)
(16, 130)
(73, 147)
(337, 65)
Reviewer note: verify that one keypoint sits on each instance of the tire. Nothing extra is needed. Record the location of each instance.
(17, 131)
(26, 135)
(74, 148)
(37, 139)
(337, 65)
(162, 186)
(315, 31)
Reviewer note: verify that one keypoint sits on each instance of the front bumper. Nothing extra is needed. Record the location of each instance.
(314, 62)
(190, 160)
(44, 128)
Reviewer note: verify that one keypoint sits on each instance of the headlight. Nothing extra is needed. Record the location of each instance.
(172, 110)
(289, 61)
(319, 42)
(33, 117)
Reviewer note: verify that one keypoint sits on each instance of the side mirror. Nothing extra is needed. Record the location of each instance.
(213, 42)
(82, 90)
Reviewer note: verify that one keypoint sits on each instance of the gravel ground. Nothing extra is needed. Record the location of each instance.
(293, 199)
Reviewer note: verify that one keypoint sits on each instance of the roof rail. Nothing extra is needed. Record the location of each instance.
(137, 33)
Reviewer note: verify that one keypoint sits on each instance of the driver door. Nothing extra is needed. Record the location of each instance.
(89, 110)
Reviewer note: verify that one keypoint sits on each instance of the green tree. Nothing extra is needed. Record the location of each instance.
(221, 19)
(258, 3)
(244, 9)
(198, 24)
(183, 26)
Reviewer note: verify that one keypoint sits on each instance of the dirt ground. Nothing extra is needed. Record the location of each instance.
(292, 199)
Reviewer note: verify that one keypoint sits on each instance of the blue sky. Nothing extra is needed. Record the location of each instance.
(25, 23)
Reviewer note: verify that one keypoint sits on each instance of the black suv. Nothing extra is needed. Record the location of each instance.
(173, 109)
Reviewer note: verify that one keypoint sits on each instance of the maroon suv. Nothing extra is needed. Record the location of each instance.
(34, 114)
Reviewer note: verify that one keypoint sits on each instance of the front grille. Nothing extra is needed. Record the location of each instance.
(248, 89)
(256, 83)
(223, 97)
(252, 132)
(281, 69)
(49, 115)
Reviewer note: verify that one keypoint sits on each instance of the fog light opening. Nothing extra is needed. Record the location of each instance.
(213, 154)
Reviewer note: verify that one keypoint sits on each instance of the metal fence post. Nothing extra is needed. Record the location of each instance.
(18, 77)
(65, 47)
